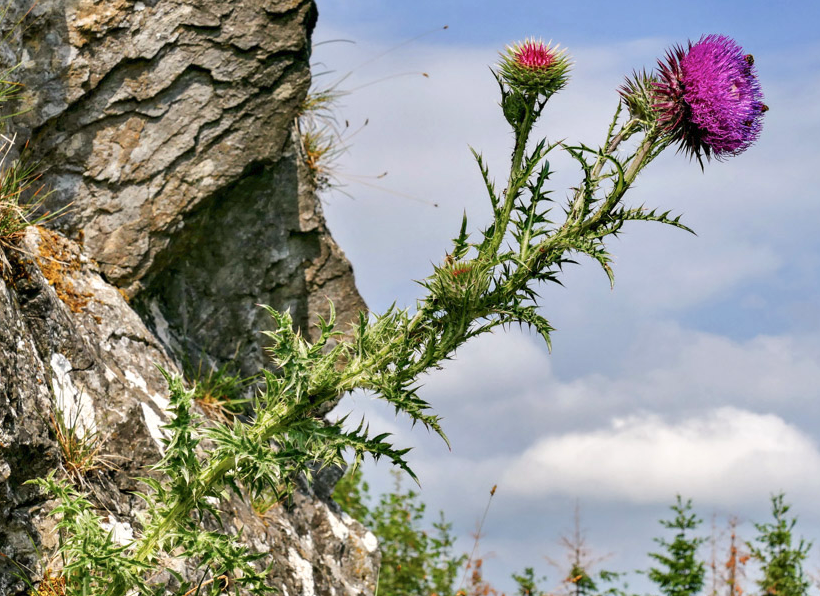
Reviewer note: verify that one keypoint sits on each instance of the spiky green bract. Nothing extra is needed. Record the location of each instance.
(528, 74)
(459, 284)
(780, 556)
(681, 572)
(638, 94)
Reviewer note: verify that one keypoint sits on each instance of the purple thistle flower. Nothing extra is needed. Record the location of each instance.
(534, 55)
(708, 98)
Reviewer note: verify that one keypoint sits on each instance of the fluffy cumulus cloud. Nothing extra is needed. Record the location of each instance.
(727, 456)
(506, 388)
(724, 421)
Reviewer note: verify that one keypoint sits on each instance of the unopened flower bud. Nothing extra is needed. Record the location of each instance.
(534, 68)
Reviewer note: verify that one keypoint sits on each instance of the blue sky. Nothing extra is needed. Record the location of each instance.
(777, 23)
(699, 373)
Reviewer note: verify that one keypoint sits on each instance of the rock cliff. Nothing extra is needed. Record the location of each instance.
(168, 126)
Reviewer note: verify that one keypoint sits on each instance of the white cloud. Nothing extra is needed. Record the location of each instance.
(727, 456)
(508, 383)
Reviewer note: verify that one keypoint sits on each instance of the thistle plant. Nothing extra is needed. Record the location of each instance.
(706, 99)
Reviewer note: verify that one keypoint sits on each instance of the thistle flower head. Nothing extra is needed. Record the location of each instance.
(534, 55)
(534, 67)
(708, 98)
(458, 282)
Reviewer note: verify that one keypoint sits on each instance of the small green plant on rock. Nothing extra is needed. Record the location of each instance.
(20, 195)
(324, 139)
(220, 391)
(80, 449)
(20, 200)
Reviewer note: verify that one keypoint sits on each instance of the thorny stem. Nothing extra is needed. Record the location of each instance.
(627, 130)
(515, 182)
(639, 160)
(637, 163)
(268, 425)
(553, 245)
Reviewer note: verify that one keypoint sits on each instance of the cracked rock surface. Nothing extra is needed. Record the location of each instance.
(168, 126)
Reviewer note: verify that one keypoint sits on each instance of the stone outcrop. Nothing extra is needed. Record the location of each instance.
(168, 128)
(72, 344)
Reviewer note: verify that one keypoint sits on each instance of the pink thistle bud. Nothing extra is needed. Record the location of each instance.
(533, 67)
(534, 55)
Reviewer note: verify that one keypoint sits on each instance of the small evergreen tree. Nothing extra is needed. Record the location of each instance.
(781, 562)
(681, 572)
(528, 583)
(577, 579)
(352, 493)
(615, 584)
(580, 582)
(414, 562)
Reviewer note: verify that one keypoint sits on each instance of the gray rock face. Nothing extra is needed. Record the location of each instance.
(260, 240)
(142, 110)
(169, 127)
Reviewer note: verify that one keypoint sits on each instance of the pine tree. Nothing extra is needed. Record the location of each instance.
(581, 582)
(528, 583)
(415, 562)
(681, 572)
(577, 580)
(781, 561)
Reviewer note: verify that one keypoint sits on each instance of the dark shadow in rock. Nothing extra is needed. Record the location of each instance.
(240, 248)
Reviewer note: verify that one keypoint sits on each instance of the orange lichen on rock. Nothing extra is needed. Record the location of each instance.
(50, 585)
(58, 262)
